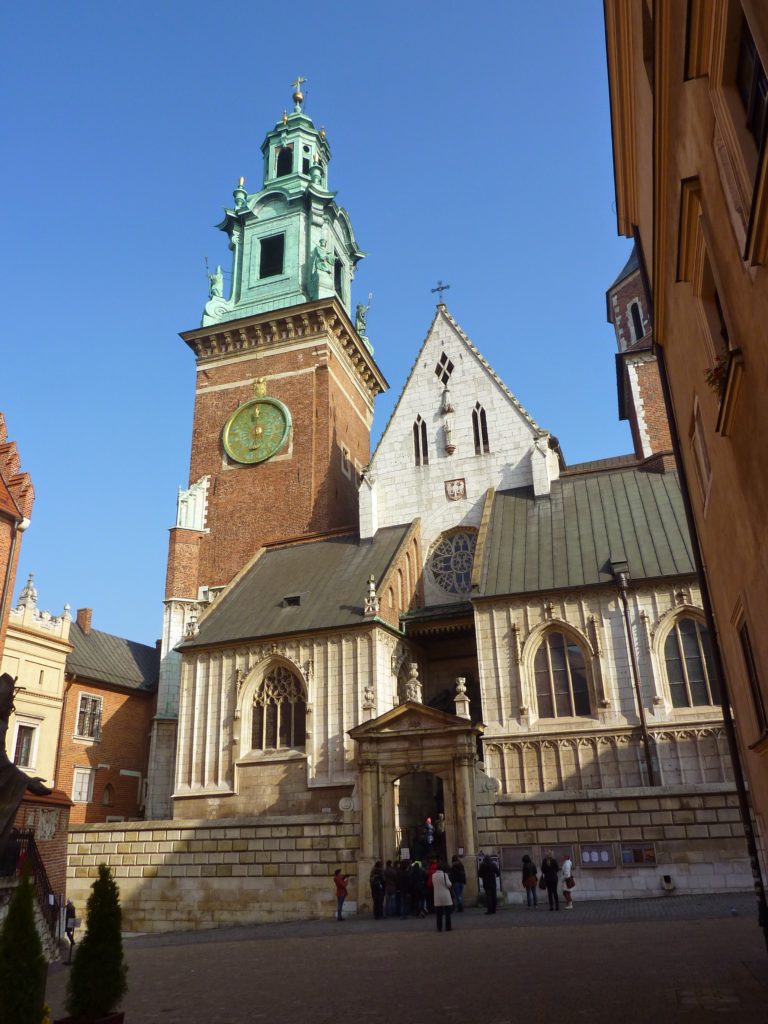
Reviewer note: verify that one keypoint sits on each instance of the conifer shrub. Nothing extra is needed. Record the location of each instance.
(97, 981)
(23, 968)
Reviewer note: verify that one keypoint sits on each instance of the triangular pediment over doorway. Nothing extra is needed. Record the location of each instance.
(412, 718)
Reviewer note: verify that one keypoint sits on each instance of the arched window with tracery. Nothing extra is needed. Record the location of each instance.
(279, 712)
(562, 688)
(420, 448)
(480, 429)
(688, 661)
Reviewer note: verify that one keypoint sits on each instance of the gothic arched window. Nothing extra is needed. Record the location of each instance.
(108, 797)
(480, 429)
(688, 659)
(637, 321)
(562, 689)
(451, 561)
(279, 712)
(420, 449)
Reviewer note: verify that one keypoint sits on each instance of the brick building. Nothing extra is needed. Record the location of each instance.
(689, 117)
(109, 702)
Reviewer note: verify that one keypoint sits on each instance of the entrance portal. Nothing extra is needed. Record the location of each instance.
(418, 797)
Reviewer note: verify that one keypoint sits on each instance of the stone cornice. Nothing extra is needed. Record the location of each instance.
(320, 319)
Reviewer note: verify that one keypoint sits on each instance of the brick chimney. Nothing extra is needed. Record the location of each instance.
(84, 616)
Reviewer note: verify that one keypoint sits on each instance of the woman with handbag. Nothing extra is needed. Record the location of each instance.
(530, 882)
(568, 882)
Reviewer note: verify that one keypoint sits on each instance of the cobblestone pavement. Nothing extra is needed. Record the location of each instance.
(682, 958)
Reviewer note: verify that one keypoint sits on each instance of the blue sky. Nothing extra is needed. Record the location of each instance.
(470, 143)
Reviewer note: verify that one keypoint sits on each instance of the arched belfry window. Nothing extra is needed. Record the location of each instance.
(284, 163)
(420, 449)
(562, 689)
(637, 321)
(279, 712)
(688, 660)
(480, 429)
(338, 278)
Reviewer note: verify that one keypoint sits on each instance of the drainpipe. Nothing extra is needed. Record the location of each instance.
(621, 575)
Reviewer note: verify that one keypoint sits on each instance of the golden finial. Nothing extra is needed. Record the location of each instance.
(298, 95)
(260, 387)
(322, 132)
(285, 117)
(240, 181)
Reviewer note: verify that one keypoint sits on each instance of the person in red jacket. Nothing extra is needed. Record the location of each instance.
(341, 891)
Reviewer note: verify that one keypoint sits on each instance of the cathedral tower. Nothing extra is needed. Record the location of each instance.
(284, 396)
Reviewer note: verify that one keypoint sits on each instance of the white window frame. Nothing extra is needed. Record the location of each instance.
(27, 723)
(82, 735)
(79, 775)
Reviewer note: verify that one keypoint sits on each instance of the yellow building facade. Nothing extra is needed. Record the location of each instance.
(689, 110)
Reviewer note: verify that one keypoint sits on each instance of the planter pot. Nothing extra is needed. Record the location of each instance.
(111, 1018)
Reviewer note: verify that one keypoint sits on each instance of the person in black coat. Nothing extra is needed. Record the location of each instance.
(488, 873)
(377, 889)
(549, 872)
(458, 878)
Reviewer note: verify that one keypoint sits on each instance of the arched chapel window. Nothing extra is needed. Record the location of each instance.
(279, 712)
(480, 429)
(420, 449)
(637, 321)
(562, 690)
(688, 660)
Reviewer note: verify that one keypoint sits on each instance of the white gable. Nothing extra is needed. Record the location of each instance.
(397, 490)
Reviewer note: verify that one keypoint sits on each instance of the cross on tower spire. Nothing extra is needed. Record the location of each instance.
(440, 289)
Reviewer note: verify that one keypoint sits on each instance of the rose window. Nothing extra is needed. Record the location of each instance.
(451, 562)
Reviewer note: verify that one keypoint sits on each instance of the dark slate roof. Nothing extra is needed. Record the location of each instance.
(104, 658)
(569, 539)
(629, 267)
(328, 575)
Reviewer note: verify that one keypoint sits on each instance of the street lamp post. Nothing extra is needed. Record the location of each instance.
(621, 575)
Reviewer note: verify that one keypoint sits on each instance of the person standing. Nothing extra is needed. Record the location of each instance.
(549, 872)
(488, 873)
(568, 882)
(390, 890)
(441, 888)
(376, 880)
(530, 881)
(458, 880)
(341, 891)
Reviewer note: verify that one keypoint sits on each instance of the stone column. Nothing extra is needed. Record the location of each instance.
(368, 808)
(465, 806)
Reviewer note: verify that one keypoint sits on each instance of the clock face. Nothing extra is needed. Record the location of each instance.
(257, 430)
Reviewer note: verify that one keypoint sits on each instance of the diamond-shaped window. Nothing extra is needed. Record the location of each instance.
(444, 369)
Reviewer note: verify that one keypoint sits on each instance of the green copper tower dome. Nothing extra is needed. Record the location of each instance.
(290, 241)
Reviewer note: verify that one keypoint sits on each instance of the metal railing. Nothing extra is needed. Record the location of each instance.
(22, 854)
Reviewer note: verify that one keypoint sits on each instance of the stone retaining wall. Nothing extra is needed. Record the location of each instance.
(177, 875)
(694, 833)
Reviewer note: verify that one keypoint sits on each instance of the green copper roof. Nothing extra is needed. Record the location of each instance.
(570, 538)
(290, 241)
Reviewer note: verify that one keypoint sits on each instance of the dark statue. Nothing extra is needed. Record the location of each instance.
(13, 781)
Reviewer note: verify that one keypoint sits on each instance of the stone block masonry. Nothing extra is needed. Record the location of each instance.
(694, 834)
(177, 876)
